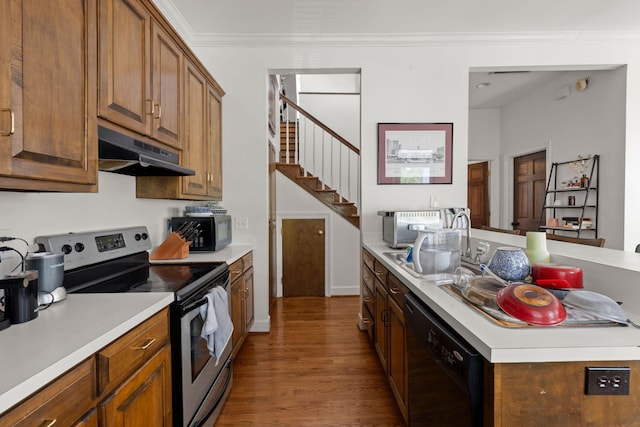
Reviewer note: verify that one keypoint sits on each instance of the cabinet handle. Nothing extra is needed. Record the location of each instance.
(394, 290)
(366, 320)
(159, 111)
(49, 423)
(146, 345)
(153, 107)
(367, 299)
(13, 124)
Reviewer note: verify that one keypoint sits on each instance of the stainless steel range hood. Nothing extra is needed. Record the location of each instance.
(123, 154)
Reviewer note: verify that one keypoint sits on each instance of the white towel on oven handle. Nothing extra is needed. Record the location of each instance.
(218, 327)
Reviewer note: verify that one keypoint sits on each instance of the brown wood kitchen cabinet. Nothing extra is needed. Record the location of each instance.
(128, 382)
(140, 72)
(242, 311)
(389, 336)
(48, 117)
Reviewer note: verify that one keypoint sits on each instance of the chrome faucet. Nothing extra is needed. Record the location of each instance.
(459, 214)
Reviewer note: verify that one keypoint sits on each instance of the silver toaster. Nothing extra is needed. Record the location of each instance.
(395, 225)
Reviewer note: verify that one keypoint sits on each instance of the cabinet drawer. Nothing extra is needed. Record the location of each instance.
(119, 359)
(380, 271)
(367, 320)
(236, 269)
(247, 261)
(368, 299)
(367, 278)
(63, 401)
(367, 259)
(397, 290)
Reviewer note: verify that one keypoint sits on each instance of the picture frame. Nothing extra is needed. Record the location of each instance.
(273, 84)
(415, 153)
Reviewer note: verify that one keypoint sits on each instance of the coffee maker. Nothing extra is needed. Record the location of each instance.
(20, 297)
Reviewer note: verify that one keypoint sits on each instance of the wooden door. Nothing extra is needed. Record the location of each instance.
(48, 127)
(124, 92)
(214, 143)
(166, 64)
(529, 183)
(303, 242)
(478, 193)
(195, 132)
(273, 260)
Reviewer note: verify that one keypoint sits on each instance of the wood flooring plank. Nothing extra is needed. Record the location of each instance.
(314, 369)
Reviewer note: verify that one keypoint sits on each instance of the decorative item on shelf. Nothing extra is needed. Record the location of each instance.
(536, 250)
(581, 166)
(584, 181)
(553, 222)
(571, 201)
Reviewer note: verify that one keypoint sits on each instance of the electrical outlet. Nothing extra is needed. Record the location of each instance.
(242, 223)
(435, 201)
(607, 381)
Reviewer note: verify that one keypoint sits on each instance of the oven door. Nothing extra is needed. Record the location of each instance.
(205, 385)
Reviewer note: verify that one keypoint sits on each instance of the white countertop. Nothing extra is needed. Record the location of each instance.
(36, 352)
(508, 345)
(228, 254)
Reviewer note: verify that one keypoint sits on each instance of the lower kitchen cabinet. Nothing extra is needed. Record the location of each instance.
(515, 394)
(126, 383)
(144, 398)
(382, 290)
(242, 311)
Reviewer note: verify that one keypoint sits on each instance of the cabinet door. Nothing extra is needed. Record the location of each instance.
(47, 95)
(397, 373)
(144, 399)
(380, 321)
(63, 401)
(124, 65)
(166, 63)
(195, 154)
(248, 299)
(214, 139)
(237, 314)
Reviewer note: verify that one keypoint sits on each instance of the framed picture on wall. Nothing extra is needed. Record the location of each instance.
(415, 153)
(273, 85)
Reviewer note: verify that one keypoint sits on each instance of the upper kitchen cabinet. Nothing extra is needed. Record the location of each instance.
(48, 118)
(202, 144)
(139, 73)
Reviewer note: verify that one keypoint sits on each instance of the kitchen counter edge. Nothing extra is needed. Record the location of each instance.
(509, 345)
(62, 336)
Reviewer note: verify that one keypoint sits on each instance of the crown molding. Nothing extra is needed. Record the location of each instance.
(181, 25)
(408, 40)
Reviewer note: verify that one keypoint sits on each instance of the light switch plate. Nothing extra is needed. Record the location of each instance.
(242, 223)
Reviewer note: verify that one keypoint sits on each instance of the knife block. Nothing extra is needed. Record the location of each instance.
(174, 247)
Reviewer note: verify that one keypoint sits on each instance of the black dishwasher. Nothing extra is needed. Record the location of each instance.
(445, 372)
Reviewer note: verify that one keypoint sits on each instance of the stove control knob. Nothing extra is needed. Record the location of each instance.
(66, 249)
(145, 236)
(79, 247)
(137, 237)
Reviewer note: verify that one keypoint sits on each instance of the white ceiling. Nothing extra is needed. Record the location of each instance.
(244, 17)
(275, 22)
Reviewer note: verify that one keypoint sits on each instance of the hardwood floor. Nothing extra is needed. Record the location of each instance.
(315, 368)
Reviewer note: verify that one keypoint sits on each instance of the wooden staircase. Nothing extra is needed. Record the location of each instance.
(316, 188)
(293, 137)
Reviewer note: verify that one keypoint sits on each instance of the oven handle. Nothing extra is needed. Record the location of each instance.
(187, 309)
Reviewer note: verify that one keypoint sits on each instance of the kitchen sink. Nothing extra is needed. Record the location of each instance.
(399, 258)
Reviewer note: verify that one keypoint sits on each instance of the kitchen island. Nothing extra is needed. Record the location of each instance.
(532, 375)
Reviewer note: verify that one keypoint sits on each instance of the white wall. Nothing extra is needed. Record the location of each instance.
(484, 145)
(29, 215)
(343, 272)
(589, 122)
(429, 84)
(339, 112)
